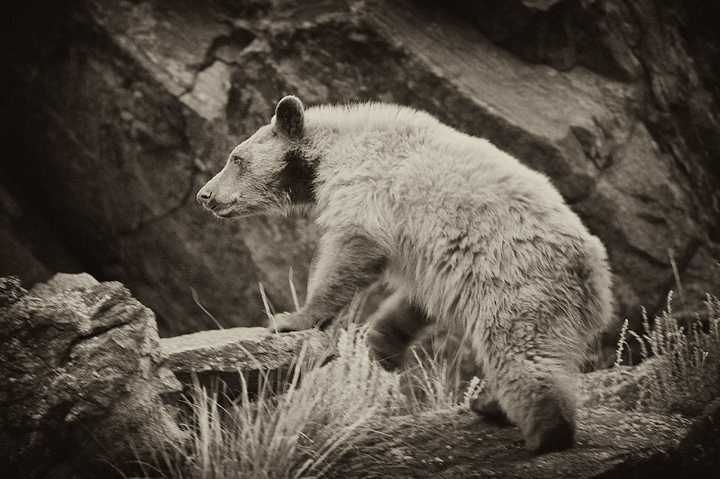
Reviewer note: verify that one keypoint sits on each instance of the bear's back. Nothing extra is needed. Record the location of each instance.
(456, 215)
(395, 171)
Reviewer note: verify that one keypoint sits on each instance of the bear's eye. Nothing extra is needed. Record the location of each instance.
(241, 165)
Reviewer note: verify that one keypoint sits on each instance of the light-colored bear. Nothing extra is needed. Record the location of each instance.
(461, 231)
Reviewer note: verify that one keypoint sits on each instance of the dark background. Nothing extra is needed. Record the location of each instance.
(115, 113)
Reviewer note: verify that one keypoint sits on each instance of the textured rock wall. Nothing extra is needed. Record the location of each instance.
(121, 110)
(81, 383)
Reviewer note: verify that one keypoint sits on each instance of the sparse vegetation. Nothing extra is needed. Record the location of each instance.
(299, 434)
(327, 408)
(682, 362)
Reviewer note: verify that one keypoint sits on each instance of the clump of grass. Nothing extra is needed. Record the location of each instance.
(325, 410)
(291, 435)
(297, 434)
(440, 370)
(682, 362)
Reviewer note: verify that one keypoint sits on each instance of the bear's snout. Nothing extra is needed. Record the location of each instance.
(205, 197)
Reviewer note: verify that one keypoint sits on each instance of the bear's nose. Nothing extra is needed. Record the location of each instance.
(204, 196)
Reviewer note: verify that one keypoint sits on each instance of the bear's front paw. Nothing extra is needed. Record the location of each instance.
(285, 322)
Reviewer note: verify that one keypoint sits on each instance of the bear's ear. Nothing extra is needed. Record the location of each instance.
(289, 117)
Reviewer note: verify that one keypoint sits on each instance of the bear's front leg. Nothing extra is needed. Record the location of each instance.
(347, 262)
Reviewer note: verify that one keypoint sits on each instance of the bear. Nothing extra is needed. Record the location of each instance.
(460, 231)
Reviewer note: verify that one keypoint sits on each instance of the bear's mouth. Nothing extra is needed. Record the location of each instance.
(223, 210)
(223, 214)
(234, 209)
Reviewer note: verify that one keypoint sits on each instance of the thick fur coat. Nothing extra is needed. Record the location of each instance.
(462, 232)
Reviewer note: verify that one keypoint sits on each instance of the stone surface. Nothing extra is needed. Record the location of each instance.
(63, 283)
(128, 107)
(83, 376)
(225, 354)
(10, 291)
(610, 444)
(614, 440)
(699, 450)
(238, 349)
(81, 382)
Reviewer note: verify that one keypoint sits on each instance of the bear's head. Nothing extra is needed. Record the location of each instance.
(269, 172)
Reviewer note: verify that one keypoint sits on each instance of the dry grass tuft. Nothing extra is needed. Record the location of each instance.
(682, 362)
(303, 432)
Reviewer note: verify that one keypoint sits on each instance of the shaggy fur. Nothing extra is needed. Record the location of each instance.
(461, 231)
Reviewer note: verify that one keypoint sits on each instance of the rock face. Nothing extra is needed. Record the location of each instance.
(80, 380)
(121, 110)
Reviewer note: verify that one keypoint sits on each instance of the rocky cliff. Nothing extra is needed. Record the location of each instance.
(114, 113)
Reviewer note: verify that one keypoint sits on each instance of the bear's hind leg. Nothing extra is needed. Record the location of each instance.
(487, 405)
(538, 396)
(393, 327)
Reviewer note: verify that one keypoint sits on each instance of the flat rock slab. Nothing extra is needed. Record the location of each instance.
(224, 353)
(239, 349)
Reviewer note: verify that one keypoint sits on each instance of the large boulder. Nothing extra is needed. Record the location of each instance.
(82, 390)
(121, 110)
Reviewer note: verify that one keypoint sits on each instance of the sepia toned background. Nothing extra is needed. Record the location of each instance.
(114, 113)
